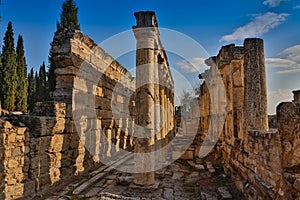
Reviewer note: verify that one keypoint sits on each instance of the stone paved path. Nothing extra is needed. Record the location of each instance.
(181, 180)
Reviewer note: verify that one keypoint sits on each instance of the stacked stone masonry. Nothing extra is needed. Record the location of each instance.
(264, 163)
(91, 119)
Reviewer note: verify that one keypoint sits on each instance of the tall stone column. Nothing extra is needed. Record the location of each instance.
(157, 120)
(255, 93)
(146, 34)
(162, 102)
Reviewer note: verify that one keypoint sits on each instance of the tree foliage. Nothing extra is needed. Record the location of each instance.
(186, 99)
(51, 82)
(68, 16)
(69, 21)
(41, 88)
(22, 85)
(31, 90)
(8, 71)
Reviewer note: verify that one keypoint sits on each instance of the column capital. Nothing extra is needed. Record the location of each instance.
(141, 33)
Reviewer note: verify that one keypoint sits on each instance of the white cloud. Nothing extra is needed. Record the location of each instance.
(273, 3)
(195, 65)
(261, 24)
(292, 53)
(279, 62)
(297, 7)
(290, 71)
(288, 64)
(275, 97)
(283, 66)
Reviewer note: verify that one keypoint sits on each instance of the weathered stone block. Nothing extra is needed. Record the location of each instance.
(188, 155)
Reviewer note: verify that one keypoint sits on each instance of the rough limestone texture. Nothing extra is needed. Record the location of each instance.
(14, 144)
(154, 90)
(264, 163)
(99, 94)
(91, 119)
(288, 120)
(288, 124)
(255, 100)
(74, 133)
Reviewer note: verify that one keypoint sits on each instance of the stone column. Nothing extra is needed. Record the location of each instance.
(255, 93)
(157, 121)
(162, 103)
(146, 34)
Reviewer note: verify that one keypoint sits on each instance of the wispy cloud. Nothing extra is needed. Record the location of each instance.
(261, 24)
(273, 3)
(195, 65)
(289, 63)
(279, 62)
(292, 53)
(297, 7)
(277, 96)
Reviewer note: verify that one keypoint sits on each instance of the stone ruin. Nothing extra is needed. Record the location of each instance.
(78, 131)
(263, 162)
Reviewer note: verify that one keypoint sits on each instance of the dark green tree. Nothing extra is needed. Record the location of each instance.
(31, 90)
(68, 16)
(36, 96)
(41, 89)
(8, 71)
(51, 82)
(69, 21)
(22, 85)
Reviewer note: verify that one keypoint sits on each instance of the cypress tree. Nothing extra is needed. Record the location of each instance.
(1, 79)
(36, 96)
(51, 82)
(42, 92)
(31, 90)
(22, 93)
(8, 71)
(68, 16)
(69, 21)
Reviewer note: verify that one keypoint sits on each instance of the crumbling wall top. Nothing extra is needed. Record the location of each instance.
(226, 55)
(63, 46)
(296, 96)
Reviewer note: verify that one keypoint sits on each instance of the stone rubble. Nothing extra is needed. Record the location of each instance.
(204, 186)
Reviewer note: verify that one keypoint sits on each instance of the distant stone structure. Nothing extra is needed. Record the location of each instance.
(257, 158)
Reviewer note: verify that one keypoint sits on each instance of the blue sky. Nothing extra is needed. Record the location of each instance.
(211, 23)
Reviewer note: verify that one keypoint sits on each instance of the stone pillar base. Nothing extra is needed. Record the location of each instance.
(147, 188)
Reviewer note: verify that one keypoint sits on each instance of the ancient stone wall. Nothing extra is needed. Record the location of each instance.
(256, 157)
(36, 157)
(77, 131)
(98, 91)
(288, 120)
(14, 160)
(90, 121)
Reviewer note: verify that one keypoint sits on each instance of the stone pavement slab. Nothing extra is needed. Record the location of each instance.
(175, 182)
